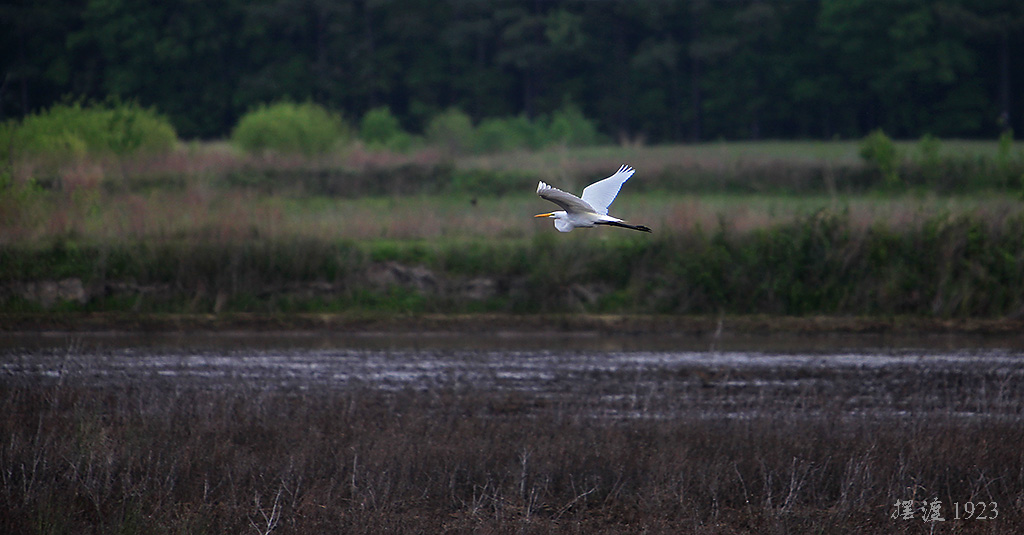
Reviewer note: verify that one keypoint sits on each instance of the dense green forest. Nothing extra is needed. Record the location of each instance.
(655, 71)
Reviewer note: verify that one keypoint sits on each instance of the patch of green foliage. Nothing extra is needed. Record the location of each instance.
(571, 128)
(289, 128)
(501, 134)
(454, 131)
(879, 150)
(566, 127)
(938, 169)
(380, 129)
(76, 130)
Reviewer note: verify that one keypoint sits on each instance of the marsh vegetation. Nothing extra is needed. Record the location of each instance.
(852, 228)
(314, 439)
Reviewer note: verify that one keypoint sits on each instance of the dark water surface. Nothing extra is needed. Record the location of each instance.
(848, 376)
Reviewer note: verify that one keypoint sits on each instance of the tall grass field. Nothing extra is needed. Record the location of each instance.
(793, 228)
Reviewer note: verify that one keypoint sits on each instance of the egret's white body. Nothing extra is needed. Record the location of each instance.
(590, 209)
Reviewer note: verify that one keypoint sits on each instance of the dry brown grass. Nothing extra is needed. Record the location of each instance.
(240, 459)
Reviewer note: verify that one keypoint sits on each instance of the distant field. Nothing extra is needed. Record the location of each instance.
(744, 228)
(209, 190)
(846, 152)
(720, 155)
(235, 214)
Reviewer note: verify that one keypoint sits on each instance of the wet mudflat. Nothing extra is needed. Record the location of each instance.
(594, 375)
(232, 432)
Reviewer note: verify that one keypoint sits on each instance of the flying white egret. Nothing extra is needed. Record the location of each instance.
(592, 208)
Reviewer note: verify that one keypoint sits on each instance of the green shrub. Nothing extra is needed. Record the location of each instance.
(513, 133)
(381, 129)
(76, 130)
(499, 135)
(451, 130)
(929, 148)
(879, 150)
(570, 127)
(929, 161)
(289, 128)
(1005, 144)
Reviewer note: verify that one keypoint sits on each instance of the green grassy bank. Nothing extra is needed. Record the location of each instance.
(821, 263)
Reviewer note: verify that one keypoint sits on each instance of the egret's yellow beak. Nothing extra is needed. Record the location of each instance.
(549, 214)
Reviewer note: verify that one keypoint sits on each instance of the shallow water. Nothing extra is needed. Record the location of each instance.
(589, 374)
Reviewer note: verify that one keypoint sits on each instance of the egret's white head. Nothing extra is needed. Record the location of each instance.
(554, 215)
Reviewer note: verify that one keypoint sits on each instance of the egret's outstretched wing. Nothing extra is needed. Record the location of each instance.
(569, 202)
(601, 194)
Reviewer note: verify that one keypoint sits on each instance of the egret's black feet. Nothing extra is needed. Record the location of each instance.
(641, 228)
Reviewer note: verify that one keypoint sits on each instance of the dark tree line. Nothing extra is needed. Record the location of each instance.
(662, 70)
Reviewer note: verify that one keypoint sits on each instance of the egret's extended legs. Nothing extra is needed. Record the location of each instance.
(641, 228)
